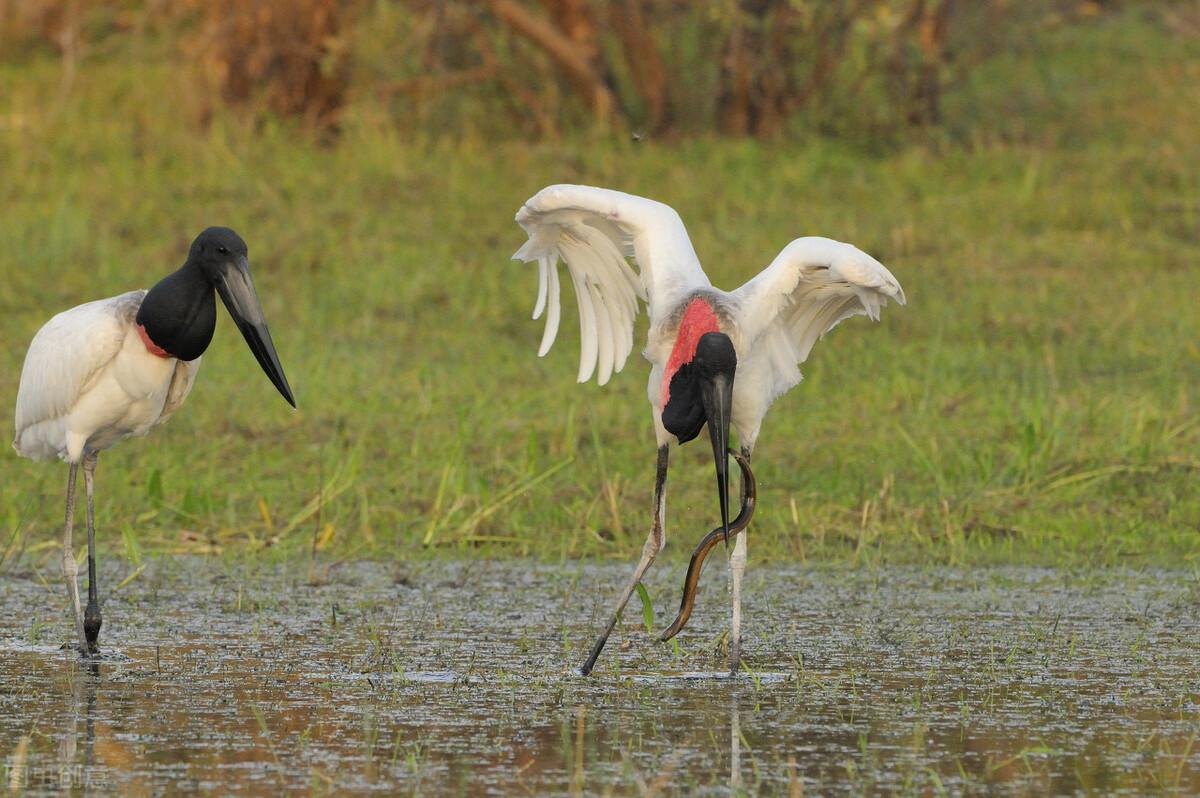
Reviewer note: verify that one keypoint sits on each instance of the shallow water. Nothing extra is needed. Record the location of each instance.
(459, 678)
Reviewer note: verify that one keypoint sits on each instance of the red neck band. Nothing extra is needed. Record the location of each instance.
(698, 319)
(151, 347)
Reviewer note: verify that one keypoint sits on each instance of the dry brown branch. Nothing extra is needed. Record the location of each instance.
(831, 49)
(643, 59)
(563, 49)
(734, 101)
(285, 54)
(931, 37)
(524, 102)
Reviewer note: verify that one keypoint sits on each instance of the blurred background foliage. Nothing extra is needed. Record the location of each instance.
(869, 70)
(1026, 169)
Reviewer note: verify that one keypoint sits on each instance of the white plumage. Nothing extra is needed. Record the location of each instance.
(118, 367)
(594, 230)
(89, 381)
(772, 321)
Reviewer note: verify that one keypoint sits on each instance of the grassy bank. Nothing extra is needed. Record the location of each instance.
(1035, 401)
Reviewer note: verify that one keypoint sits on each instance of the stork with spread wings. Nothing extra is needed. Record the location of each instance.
(717, 358)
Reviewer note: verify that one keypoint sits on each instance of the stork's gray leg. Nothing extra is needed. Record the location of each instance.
(653, 545)
(737, 567)
(91, 617)
(69, 567)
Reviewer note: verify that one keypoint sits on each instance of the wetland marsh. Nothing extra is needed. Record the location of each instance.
(980, 516)
(458, 678)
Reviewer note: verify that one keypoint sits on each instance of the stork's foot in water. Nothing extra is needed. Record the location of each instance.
(91, 627)
(80, 648)
(708, 542)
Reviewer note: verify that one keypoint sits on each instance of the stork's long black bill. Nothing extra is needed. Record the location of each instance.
(717, 396)
(237, 292)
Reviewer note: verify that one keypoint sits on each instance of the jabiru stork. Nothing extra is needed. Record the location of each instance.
(118, 367)
(716, 357)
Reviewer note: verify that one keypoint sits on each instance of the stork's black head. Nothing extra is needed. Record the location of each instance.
(214, 248)
(715, 356)
(178, 314)
(702, 392)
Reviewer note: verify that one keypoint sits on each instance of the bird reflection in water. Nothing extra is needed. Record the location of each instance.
(74, 771)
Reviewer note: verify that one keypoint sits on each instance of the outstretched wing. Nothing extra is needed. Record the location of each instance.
(64, 357)
(594, 231)
(813, 284)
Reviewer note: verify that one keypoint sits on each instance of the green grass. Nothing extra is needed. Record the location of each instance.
(1035, 401)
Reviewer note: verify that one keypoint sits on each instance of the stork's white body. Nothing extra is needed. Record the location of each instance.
(773, 320)
(90, 381)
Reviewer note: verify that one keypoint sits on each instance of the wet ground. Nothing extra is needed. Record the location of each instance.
(458, 678)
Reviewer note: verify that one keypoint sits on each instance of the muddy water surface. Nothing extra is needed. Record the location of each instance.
(458, 678)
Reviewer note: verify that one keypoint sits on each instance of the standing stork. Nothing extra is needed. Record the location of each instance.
(699, 338)
(118, 367)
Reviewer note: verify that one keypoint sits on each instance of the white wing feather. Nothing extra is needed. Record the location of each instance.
(65, 355)
(181, 385)
(594, 231)
(813, 284)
